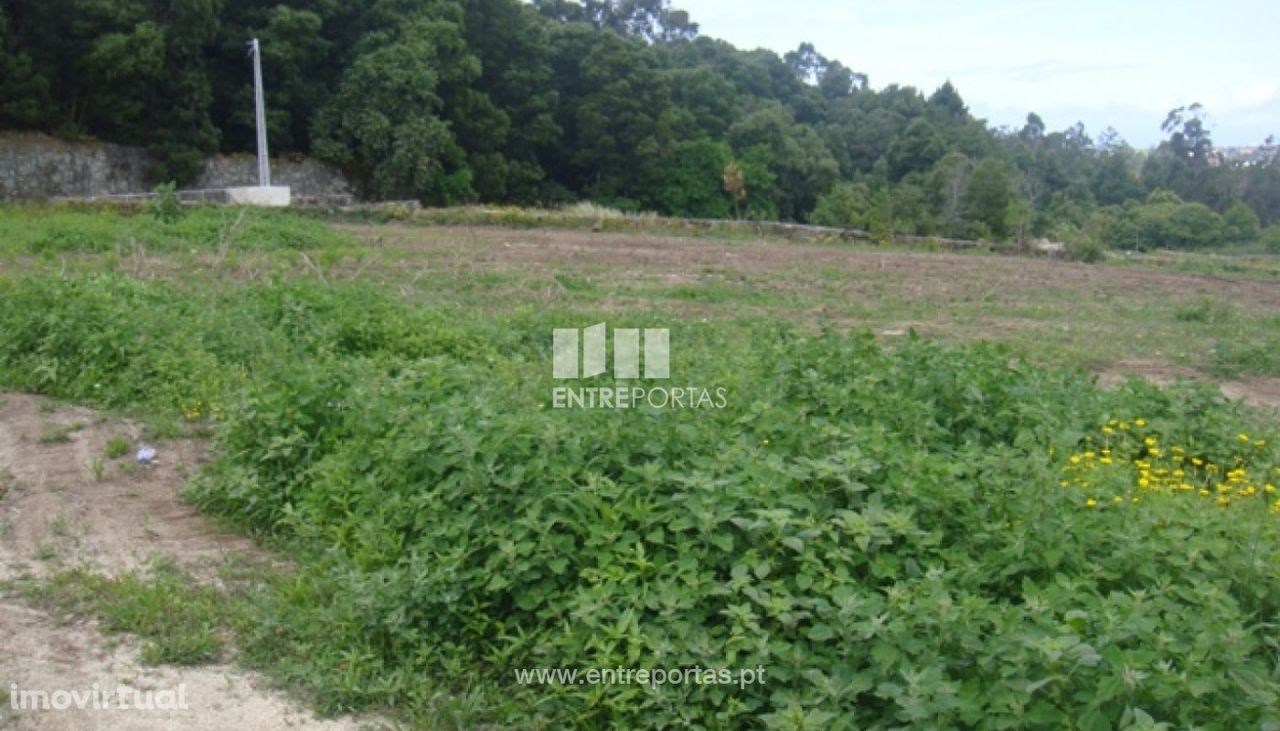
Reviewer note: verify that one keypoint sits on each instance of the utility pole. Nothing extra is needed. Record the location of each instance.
(264, 161)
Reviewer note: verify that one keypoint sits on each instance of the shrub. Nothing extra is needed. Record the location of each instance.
(846, 206)
(165, 206)
(887, 533)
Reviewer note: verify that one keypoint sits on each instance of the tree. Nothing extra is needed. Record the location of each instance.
(793, 154)
(987, 199)
(949, 182)
(915, 150)
(24, 91)
(846, 206)
(947, 104)
(382, 126)
(1241, 224)
(695, 183)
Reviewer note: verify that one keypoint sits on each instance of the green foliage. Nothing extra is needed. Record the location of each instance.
(1252, 355)
(882, 530)
(845, 206)
(1086, 249)
(165, 207)
(987, 198)
(45, 231)
(1240, 224)
(116, 447)
(180, 622)
(1270, 239)
(545, 103)
(383, 124)
(903, 566)
(694, 184)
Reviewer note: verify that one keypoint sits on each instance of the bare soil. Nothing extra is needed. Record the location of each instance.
(63, 504)
(915, 275)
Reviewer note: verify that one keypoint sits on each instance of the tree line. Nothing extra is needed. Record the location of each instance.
(622, 102)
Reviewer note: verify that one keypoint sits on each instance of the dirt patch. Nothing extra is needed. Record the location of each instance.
(864, 274)
(1254, 391)
(69, 504)
(42, 655)
(64, 504)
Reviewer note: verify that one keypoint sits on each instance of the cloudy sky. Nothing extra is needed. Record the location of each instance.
(1123, 63)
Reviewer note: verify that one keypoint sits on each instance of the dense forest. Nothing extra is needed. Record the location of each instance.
(622, 102)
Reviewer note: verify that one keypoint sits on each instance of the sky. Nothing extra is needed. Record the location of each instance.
(1118, 63)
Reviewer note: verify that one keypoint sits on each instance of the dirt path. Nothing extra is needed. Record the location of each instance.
(63, 504)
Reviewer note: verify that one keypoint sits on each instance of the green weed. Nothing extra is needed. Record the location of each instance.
(116, 447)
(179, 621)
(884, 531)
(56, 434)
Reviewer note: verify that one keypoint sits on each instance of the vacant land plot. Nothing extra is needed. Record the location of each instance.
(1114, 320)
(898, 522)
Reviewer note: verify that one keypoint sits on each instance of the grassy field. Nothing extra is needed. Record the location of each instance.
(917, 508)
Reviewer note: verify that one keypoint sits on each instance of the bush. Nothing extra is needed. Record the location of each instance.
(1270, 239)
(1241, 224)
(922, 537)
(165, 206)
(846, 206)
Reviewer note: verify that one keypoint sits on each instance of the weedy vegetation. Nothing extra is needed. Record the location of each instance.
(928, 535)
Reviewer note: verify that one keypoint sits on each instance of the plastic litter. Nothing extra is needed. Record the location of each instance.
(146, 453)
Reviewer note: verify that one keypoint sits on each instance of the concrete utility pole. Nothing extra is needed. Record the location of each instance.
(264, 161)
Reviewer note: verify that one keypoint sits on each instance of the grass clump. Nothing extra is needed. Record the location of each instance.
(179, 621)
(116, 447)
(55, 435)
(32, 230)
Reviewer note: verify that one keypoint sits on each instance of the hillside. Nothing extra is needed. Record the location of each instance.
(622, 102)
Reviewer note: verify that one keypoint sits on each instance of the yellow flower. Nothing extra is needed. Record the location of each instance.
(1108, 430)
(1243, 437)
(1117, 500)
(1105, 460)
(1075, 459)
(1091, 503)
(1224, 501)
(1150, 441)
(1269, 488)
(1260, 443)
(1140, 422)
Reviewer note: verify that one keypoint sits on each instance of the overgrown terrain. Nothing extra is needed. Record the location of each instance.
(905, 532)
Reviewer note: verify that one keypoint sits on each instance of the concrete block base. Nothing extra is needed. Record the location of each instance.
(272, 197)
